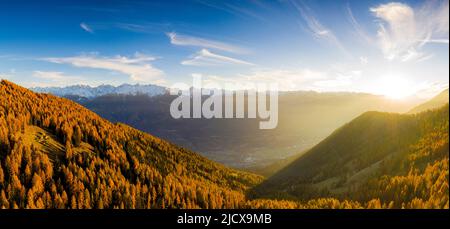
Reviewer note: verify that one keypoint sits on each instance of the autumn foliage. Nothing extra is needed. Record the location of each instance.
(125, 168)
(77, 160)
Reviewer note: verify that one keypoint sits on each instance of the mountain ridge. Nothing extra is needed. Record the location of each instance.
(437, 101)
(89, 92)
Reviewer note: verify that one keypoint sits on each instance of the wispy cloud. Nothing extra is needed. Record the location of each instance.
(137, 67)
(287, 80)
(8, 75)
(235, 9)
(403, 31)
(315, 27)
(86, 27)
(437, 41)
(338, 81)
(148, 27)
(54, 78)
(137, 27)
(429, 89)
(363, 60)
(206, 58)
(185, 40)
(5, 75)
(359, 30)
(96, 9)
(340, 77)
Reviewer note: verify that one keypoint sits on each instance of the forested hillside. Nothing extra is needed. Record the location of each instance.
(392, 160)
(56, 154)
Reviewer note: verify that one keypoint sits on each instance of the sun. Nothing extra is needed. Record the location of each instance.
(395, 87)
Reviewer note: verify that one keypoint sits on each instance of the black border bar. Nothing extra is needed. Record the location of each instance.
(167, 217)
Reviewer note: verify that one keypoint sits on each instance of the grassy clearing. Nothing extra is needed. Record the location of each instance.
(47, 142)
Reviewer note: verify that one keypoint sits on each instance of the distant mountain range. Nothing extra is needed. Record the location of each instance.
(89, 92)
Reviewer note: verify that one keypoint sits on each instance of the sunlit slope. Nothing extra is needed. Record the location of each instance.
(55, 153)
(367, 139)
(436, 102)
(397, 159)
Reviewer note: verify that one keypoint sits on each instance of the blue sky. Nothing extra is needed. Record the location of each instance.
(383, 47)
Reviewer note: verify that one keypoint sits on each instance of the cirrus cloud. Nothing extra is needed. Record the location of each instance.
(86, 27)
(54, 78)
(315, 27)
(403, 30)
(207, 58)
(137, 67)
(287, 80)
(185, 40)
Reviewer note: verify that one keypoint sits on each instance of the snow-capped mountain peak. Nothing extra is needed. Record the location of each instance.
(92, 92)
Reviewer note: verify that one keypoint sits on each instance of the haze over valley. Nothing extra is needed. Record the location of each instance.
(305, 118)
